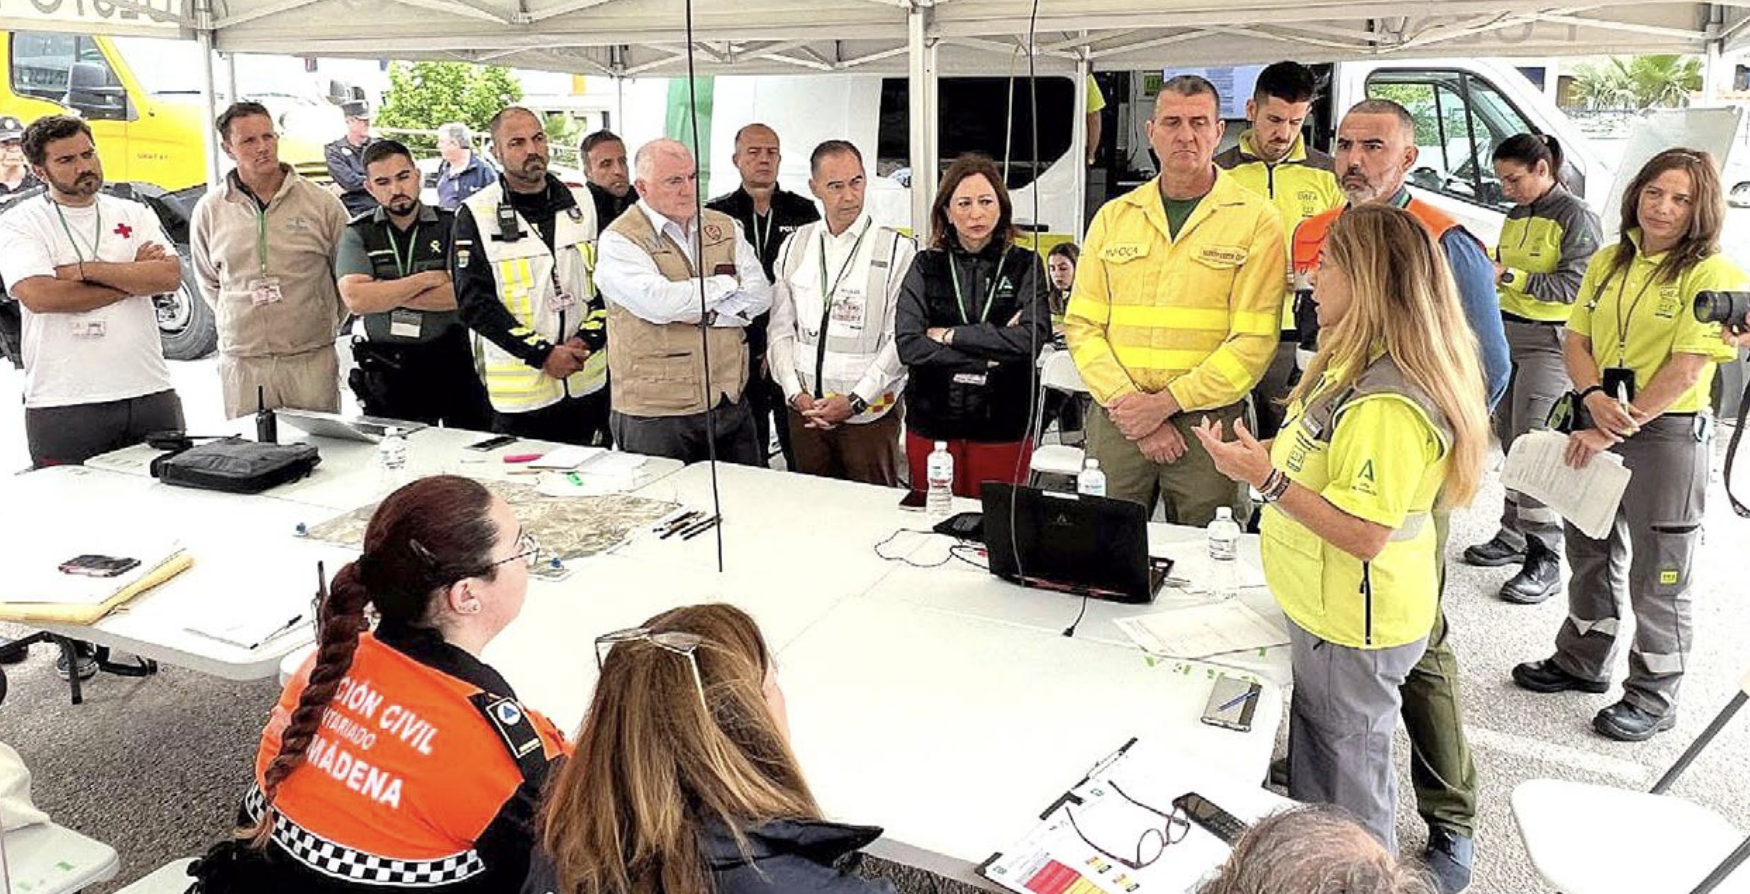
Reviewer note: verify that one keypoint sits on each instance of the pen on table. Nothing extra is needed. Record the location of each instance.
(277, 631)
(574, 478)
(1249, 693)
(701, 527)
(683, 520)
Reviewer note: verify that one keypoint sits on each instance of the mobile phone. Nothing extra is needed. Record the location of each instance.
(1618, 381)
(1213, 819)
(93, 565)
(1232, 702)
(913, 499)
(492, 443)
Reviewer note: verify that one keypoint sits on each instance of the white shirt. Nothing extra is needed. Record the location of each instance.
(798, 301)
(111, 353)
(627, 276)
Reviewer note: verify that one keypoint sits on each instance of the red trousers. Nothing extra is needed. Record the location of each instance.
(974, 463)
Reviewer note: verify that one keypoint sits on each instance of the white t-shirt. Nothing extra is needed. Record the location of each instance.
(111, 353)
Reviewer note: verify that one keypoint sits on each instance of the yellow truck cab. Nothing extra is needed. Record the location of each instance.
(149, 134)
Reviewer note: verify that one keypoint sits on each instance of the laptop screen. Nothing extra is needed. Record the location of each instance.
(1085, 544)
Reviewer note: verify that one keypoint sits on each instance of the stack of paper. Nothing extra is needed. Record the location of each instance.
(1200, 631)
(38, 577)
(1587, 497)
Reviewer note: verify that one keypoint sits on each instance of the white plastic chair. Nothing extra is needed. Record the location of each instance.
(1575, 833)
(1057, 372)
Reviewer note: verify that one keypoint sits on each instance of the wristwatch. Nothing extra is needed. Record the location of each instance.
(858, 405)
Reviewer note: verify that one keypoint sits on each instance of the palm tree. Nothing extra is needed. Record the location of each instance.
(1603, 87)
(1664, 80)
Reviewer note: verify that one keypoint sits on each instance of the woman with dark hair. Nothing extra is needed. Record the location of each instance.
(1548, 238)
(395, 758)
(1644, 367)
(683, 781)
(1061, 263)
(971, 319)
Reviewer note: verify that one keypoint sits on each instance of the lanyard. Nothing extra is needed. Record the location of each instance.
(960, 300)
(96, 233)
(761, 240)
(1622, 319)
(401, 267)
(261, 237)
(827, 295)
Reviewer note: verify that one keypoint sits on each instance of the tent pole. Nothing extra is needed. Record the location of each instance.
(1078, 144)
(924, 120)
(209, 137)
(230, 60)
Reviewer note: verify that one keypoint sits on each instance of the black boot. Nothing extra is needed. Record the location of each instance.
(1493, 553)
(1537, 580)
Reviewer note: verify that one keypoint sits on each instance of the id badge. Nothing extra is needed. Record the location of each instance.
(561, 301)
(1618, 382)
(976, 379)
(848, 314)
(89, 328)
(405, 323)
(265, 291)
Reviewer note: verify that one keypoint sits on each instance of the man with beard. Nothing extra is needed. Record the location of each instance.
(768, 214)
(524, 268)
(413, 360)
(82, 266)
(1273, 160)
(610, 180)
(263, 244)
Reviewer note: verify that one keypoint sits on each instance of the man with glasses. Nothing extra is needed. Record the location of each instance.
(263, 244)
(653, 259)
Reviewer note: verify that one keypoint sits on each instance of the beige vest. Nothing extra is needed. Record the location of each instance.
(659, 369)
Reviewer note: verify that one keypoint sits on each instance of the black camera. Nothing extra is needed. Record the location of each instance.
(1729, 308)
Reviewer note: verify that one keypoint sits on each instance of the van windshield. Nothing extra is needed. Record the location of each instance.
(164, 67)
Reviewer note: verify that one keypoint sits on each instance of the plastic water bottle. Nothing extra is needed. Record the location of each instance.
(392, 460)
(940, 472)
(1224, 541)
(1091, 481)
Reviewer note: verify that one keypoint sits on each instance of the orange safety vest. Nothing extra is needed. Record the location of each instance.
(409, 765)
(1309, 237)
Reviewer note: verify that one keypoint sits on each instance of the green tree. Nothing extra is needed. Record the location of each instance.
(1638, 82)
(423, 95)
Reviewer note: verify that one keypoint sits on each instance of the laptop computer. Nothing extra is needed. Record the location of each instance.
(369, 429)
(1088, 546)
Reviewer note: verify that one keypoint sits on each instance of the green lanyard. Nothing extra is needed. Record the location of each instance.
(261, 237)
(401, 266)
(761, 240)
(826, 294)
(96, 234)
(960, 300)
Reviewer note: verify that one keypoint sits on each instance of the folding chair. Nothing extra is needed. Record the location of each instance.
(1576, 832)
(1057, 372)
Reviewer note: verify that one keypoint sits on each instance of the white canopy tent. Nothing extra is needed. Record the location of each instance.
(922, 38)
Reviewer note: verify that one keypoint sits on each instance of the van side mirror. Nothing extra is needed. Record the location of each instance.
(93, 92)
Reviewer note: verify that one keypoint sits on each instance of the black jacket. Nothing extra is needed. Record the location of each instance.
(982, 387)
(787, 857)
(789, 213)
(609, 207)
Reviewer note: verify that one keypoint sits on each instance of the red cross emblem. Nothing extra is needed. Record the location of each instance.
(124, 231)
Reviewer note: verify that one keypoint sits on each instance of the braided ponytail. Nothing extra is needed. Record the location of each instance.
(341, 617)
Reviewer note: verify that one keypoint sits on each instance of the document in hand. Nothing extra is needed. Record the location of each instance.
(1119, 806)
(1586, 497)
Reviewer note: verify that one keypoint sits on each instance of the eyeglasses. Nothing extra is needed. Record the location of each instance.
(1153, 841)
(675, 641)
(527, 548)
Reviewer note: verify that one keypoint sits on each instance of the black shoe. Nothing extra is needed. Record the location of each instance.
(1626, 723)
(1537, 581)
(13, 653)
(87, 662)
(1449, 857)
(1544, 676)
(1494, 553)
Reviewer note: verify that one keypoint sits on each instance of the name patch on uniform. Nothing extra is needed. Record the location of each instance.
(1220, 256)
(1670, 303)
(1120, 252)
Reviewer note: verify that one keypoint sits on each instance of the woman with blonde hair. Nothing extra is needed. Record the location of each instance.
(1643, 367)
(1390, 419)
(683, 780)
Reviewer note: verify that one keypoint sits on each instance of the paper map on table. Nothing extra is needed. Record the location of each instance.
(566, 527)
